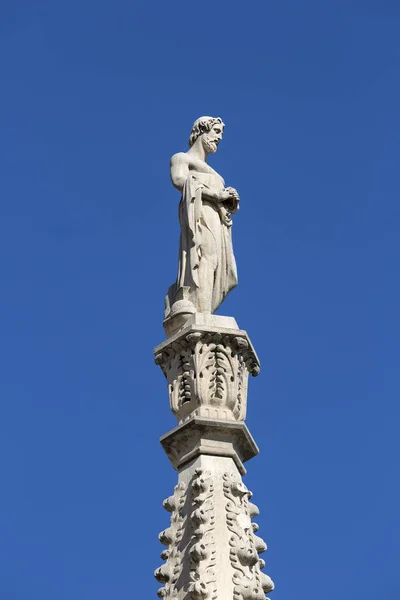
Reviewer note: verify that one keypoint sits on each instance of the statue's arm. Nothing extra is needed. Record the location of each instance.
(179, 170)
(213, 196)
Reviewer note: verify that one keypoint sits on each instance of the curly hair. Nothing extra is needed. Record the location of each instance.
(203, 125)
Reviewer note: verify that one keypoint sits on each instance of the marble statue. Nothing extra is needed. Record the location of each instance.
(207, 267)
(212, 548)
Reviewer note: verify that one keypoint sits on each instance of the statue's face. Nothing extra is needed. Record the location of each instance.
(211, 139)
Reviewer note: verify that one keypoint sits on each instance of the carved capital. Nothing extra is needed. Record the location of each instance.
(207, 371)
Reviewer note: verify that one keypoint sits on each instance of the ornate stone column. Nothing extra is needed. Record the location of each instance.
(212, 550)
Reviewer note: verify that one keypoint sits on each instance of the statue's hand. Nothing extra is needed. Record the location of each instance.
(232, 192)
(233, 201)
(224, 195)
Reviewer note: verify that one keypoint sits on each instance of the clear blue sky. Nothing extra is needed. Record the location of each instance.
(96, 96)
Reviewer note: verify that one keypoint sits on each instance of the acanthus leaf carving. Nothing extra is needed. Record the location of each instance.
(207, 374)
(202, 552)
(249, 582)
(171, 537)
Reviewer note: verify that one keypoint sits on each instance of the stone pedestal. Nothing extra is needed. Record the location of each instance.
(212, 550)
(207, 369)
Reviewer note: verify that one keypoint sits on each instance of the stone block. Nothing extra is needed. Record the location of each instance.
(212, 437)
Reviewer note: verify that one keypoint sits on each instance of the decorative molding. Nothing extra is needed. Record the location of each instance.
(207, 372)
(202, 549)
(169, 572)
(203, 436)
(249, 581)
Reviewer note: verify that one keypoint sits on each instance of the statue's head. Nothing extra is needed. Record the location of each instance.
(209, 130)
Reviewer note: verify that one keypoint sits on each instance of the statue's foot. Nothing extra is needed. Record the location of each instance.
(180, 312)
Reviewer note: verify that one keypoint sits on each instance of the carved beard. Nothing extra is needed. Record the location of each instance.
(210, 146)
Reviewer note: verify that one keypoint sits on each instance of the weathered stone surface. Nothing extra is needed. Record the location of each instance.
(212, 548)
(207, 371)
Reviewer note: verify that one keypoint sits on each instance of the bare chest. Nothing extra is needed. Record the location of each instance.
(206, 175)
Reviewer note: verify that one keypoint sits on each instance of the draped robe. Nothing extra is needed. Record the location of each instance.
(205, 231)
